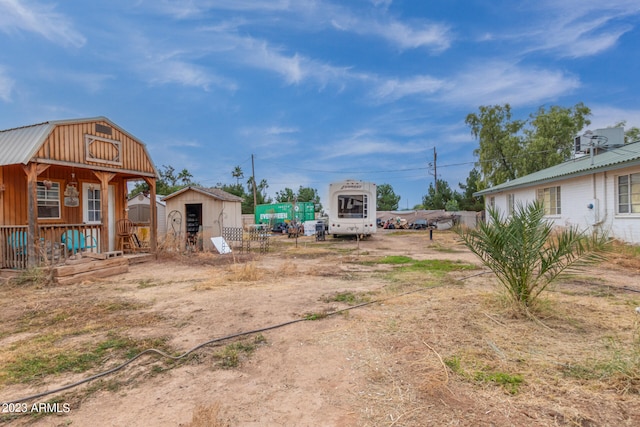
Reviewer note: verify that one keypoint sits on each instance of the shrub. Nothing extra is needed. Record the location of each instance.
(525, 253)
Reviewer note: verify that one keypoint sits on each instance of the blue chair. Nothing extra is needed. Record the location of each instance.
(18, 242)
(76, 241)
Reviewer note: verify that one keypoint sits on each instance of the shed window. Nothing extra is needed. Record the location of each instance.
(550, 198)
(48, 200)
(140, 213)
(629, 193)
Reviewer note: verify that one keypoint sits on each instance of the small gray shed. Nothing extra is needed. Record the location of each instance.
(203, 212)
(139, 211)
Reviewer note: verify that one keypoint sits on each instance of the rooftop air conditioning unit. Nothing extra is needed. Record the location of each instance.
(599, 139)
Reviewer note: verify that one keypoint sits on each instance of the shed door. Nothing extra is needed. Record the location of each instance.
(194, 224)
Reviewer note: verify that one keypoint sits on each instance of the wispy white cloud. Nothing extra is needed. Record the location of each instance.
(279, 130)
(311, 15)
(365, 142)
(502, 82)
(577, 28)
(161, 65)
(604, 116)
(394, 89)
(294, 68)
(192, 8)
(434, 36)
(6, 85)
(39, 18)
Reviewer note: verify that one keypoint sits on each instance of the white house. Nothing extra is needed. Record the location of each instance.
(598, 191)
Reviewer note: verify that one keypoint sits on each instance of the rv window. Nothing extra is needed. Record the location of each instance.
(352, 206)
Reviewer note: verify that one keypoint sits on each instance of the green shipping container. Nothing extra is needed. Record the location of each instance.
(281, 212)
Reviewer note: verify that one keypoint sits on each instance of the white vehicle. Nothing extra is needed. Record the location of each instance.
(352, 208)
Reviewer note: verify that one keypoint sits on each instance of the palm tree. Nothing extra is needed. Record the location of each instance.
(237, 174)
(526, 254)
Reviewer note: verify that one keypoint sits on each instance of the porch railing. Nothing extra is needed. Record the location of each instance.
(53, 245)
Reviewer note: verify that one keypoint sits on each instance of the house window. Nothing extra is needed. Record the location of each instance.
(492, 202)
(511, 199)
(48, 200)
(629, 193)
(94, 208)
(550, 198)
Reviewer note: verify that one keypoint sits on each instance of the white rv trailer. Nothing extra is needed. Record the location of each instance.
(352, 208)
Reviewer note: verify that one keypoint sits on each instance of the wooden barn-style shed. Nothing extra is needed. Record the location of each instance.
(197, 214)
(63, 188)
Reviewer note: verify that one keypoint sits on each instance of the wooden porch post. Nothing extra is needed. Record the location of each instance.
(153, 212)
(1, 196)
(32, 170)
(104, 178)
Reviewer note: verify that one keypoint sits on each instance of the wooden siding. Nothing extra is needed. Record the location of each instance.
(14, 196)
(66, 144)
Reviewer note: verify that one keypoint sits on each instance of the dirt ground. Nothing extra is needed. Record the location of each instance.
(427, 349)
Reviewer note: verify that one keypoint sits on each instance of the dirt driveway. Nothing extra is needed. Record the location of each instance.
(435, 345)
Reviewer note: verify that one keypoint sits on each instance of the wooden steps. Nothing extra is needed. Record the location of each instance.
(90, 265)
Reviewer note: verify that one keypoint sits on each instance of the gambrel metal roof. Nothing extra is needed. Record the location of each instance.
(616, 158)
(19, 145)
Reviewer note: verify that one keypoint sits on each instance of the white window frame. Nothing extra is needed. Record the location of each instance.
(88, 203)
(49, 198)
(630, 194)
(347, 202)
(547, 195)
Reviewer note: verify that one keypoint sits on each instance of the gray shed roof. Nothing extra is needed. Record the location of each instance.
(19, 145)
(216, 193)
(617, 158)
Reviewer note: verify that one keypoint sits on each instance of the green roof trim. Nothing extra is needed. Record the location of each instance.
(615, 158)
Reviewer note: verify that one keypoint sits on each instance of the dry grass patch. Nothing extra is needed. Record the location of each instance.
(208, 416)
(68, 334)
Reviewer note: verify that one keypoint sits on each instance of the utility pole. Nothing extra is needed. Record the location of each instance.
(435, 169)
(253, 178)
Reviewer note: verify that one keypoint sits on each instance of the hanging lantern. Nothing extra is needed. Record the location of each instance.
(71, 194)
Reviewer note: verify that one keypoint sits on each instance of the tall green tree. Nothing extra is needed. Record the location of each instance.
(509, 148)
(468, 202)
(237, 174)
(261, 195)
(549, 137)
(500, 142)
(285, 195)
(438, 199)
(308, 194)
(387, 200)
(168, 182)
(304, 194)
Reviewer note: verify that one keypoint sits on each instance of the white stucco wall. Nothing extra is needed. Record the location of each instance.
(576, 194)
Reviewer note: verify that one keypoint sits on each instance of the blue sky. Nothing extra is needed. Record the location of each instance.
(317, 91)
